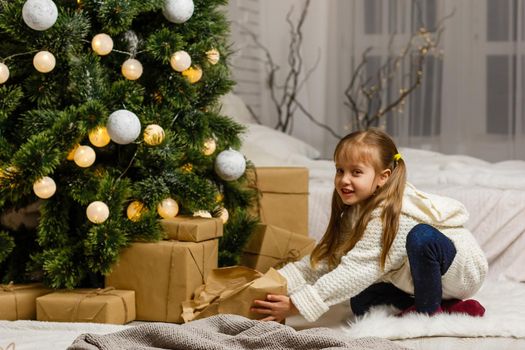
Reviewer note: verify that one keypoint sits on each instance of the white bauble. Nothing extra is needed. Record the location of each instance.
(230, 165)
(39, 14)
(4, 73)
(123, 126)
(178, 11)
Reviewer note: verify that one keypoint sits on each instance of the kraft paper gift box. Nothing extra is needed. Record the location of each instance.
(272, 246)
(191, 228)
(284, 197)
(18, 301)
(87, 305)
(163, 274)
(232, 290)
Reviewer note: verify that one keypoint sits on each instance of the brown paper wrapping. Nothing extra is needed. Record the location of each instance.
(284, 197)
(232, 290)
(163, 274)
(17, 302)
(87, 305)
(272, 246)
(192, 229)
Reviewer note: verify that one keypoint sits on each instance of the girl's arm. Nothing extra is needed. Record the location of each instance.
(299, 273)
(358, 269)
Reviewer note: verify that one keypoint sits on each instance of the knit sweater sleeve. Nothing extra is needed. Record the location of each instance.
(299, 273)
(358, 269)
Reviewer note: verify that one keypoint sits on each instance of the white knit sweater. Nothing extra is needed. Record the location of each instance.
(313, 291)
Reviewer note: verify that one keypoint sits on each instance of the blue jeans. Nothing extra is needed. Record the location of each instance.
(430, 254)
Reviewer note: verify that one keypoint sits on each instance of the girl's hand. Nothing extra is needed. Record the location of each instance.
(275, 307)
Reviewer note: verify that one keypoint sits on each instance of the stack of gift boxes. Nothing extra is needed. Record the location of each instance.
(282, 236)
(152, 280)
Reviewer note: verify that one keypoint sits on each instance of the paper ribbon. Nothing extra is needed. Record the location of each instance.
(94, 293)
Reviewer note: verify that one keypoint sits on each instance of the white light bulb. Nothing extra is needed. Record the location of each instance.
(4, 73)
(180, 61)
(44, 61)
(44, 187)
(102, 44)
(168, 208)
(97, 212)
(132, 69)
(84, 156)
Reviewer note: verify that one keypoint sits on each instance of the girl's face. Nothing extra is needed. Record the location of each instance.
(356, 180)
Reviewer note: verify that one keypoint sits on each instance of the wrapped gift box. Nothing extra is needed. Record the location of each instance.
(18, 302)
(87, 305)
(191, 228)
(272, 246)
(163, 274)
(284, 197)
(232, 290)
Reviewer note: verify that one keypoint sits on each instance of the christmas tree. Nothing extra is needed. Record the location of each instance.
(110, 120)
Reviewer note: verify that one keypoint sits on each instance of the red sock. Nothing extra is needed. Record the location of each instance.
(412, 310)
(470, 307)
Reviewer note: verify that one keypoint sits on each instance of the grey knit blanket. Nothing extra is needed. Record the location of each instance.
(225, 332)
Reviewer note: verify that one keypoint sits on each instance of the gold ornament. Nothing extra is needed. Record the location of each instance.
(102, 44)
(213, 56)
(97, 212)
(193, 74)
(44, 187)
(224, 215)
(188, 167)
(180, 61)
(4, 73)
(131, 69)
(71, 154)
(44, 61)
(168, 208)
(209, 147)
(154, 135)
(84, 156)
(135, 210)
(99, 136)
(8, 172)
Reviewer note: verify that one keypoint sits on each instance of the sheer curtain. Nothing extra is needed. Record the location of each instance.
(471, 98)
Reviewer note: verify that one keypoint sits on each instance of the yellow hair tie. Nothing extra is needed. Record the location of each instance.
(397, 156)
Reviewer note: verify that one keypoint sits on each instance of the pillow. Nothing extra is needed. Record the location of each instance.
(275, 143)
(233, 106)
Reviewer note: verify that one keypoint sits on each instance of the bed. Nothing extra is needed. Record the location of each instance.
(494, 194)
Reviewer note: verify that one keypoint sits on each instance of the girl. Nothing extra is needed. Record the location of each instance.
(386, 243)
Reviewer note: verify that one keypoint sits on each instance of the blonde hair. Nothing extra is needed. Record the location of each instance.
(348, 223)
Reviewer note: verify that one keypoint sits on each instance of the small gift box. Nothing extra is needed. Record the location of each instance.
(107, 305)
(192, 229)
(284, 197)
(18, 302)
